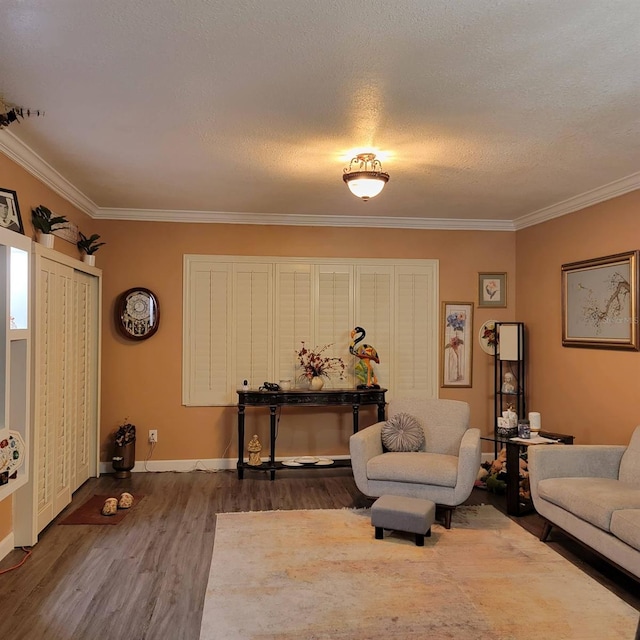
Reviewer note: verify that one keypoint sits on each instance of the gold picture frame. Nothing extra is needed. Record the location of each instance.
(457, 344)
(600, 302)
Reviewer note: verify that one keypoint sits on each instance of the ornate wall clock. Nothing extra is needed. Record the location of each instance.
(137, 313)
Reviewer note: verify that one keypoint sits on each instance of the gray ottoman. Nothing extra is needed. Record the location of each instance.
(403, 514)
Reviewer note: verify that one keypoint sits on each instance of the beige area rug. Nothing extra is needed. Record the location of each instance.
(307, 575)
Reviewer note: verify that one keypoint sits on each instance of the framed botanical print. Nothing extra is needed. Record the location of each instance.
(457, 347)
(492, 290)
(9, 211)
(600, 302)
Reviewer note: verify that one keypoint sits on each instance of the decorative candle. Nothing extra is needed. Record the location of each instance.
(534, 420)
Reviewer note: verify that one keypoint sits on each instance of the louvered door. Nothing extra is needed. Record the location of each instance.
(53, 389)
(66, 400)
(84, 370)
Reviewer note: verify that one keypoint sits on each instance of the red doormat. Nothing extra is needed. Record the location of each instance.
(91, 512)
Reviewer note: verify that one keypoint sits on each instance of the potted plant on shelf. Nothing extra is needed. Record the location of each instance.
(45, 222)
(89, 246)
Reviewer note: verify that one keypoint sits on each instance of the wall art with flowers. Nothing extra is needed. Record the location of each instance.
(457, 353)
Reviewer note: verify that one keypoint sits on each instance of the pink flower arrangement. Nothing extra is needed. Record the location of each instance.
(315, 364)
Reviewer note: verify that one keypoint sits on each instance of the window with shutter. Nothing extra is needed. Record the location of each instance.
(245, 318)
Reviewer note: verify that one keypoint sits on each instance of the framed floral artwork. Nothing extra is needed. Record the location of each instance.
(600, 302)
(457, 347)
(492, 290)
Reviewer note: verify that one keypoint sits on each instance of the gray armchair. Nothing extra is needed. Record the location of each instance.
(443, 470)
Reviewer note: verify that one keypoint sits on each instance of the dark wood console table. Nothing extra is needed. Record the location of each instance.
(354, 398)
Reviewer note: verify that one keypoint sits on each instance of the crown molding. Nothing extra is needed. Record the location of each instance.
(25, 157)
(587, 199)
(298, 220)
(28, 159)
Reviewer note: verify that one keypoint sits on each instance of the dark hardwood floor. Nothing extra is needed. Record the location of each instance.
(146, 577)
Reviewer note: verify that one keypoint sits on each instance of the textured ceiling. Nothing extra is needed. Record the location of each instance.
(483, 110)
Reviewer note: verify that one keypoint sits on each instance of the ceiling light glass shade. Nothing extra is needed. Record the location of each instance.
(368, 179)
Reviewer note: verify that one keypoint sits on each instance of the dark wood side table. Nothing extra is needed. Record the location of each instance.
(517, 506)
(355, 398)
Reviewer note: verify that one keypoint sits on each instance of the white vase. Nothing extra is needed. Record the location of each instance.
(45, 239)
(89, 259)
(316, 383)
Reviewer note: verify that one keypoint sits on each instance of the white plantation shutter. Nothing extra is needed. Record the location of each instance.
(207, 327)
(334, 314)
(293, 316)
(416, 330)
(245, 318)
(374, 313)
(252, 337)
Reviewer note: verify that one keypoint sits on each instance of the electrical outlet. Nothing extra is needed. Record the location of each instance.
(153, 436)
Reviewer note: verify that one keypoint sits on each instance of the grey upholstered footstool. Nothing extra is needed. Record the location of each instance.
(414, 515)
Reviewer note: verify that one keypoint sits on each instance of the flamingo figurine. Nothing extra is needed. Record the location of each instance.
(367, 354)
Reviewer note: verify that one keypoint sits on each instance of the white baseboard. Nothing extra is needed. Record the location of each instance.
(487, 457)
(211, 464)
(6, 546)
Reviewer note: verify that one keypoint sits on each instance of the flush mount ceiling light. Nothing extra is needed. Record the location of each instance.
(364, 176)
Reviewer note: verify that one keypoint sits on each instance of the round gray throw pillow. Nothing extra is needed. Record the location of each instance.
(402, 432)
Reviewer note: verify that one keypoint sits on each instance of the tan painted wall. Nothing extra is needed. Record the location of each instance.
(142, 381)
(6, 518)
(592, 393)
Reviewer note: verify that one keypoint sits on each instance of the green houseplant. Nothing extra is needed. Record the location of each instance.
(89, 245)
(45, 222)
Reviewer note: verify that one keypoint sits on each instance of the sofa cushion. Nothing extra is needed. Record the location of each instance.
(625, 525)
(630, 463)
(591, 499)
(402, 432)
(418, 467)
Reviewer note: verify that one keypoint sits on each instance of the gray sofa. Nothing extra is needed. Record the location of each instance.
(592, 492)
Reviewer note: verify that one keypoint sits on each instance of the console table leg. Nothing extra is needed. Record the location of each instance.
(240, 441)
(272, 422)
(356, 417)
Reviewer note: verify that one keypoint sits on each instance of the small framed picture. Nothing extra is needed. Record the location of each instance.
(9, 211)
(492, 290)
(457, 347)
